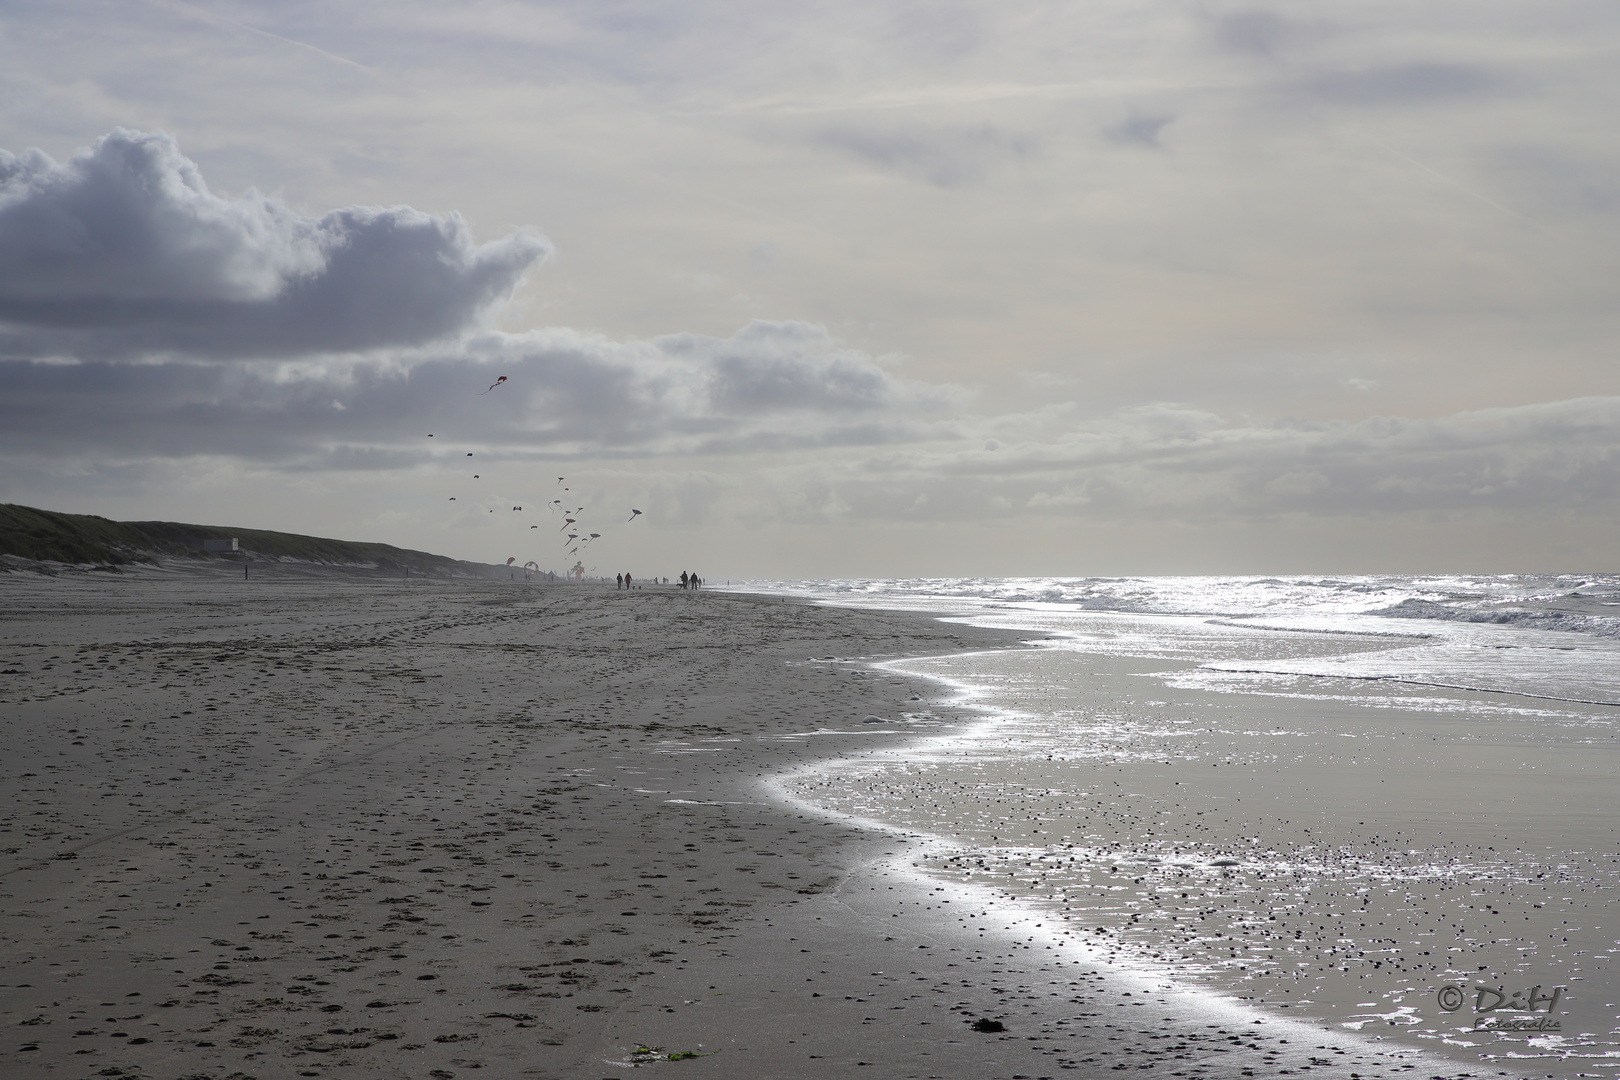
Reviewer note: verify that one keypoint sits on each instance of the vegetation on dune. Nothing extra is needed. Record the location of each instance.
(82, 539)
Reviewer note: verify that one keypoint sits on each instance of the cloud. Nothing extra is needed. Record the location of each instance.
(810, 430)
(124, 251)
(1170, 463)
(1260, 32)
(770, 386)
(1140, 129)
(947, 157)
(1405, 84)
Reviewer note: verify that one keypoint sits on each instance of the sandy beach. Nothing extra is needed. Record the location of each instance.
(316, 824)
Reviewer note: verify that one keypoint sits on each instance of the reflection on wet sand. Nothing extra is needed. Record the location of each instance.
(1333, 847)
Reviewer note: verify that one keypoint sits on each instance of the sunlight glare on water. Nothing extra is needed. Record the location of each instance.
(1335, 797)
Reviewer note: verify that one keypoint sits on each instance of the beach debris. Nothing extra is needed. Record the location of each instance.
(988, 1026)
(646, 1055)
(493, 385)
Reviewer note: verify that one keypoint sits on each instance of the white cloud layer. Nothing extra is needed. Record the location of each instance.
(1167, 462)
(123, 250)
(1324, 280)
(770, 386)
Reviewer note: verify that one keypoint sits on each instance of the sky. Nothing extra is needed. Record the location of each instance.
(843, 289)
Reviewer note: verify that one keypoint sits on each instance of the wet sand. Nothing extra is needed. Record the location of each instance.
(1341, 857)
(317, 825)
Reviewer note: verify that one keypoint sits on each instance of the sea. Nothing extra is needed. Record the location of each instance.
(1383, 804)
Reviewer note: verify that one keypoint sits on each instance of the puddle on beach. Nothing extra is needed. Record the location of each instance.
(1330, 848)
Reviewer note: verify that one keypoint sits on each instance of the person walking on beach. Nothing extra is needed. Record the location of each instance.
(627, 582)
(618, 581)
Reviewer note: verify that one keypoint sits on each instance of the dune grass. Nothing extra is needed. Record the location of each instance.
(83, 539)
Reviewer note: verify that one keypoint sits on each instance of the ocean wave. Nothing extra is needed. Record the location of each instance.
(1571, 603)
(1573, 622)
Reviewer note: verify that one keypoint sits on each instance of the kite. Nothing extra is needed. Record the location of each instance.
(560, 479)
(534, 526)
(430, 434)
(517, 507)
(452, 498)
(469, 454)
(493, 385)
(532, 565)
(567, 523)
(633, 513)
(475, 476)
(511, 559)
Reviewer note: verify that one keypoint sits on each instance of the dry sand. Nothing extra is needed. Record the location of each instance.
(317, 825)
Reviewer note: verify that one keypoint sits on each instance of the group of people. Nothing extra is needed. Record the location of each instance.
(687, 581)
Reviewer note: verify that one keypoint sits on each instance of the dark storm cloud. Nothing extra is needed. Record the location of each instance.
(769, 386)
(124, 251)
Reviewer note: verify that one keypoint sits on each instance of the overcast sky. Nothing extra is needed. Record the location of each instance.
(835, 289)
